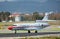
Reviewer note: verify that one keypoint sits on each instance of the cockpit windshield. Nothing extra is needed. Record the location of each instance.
(14, 25)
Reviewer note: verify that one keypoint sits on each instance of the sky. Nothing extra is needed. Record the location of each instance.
(23, 0)
(30, 5)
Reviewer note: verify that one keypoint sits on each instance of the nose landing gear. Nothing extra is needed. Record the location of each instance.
(15, 31)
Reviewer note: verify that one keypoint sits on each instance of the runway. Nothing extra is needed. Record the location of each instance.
(26, 34)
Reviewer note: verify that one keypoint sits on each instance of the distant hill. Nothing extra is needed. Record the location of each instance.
(30, 6)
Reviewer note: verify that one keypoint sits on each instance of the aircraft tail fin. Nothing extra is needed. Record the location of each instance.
(46, 16)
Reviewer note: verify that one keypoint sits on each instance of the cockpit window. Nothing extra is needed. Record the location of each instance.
(14, 25)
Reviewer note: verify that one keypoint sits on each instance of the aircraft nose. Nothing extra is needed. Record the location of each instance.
(10, 27)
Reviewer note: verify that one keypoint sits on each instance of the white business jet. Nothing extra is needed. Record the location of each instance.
(38, 25)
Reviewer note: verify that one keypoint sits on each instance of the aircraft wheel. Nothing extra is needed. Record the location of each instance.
(28, 31)
(36, 31)
(15, 31)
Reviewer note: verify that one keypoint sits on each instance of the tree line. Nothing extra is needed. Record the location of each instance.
(4, 16)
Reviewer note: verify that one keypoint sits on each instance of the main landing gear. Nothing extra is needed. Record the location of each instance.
(35, 31)
(30, 31)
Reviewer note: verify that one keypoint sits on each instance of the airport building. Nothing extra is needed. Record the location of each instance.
(15, 17)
